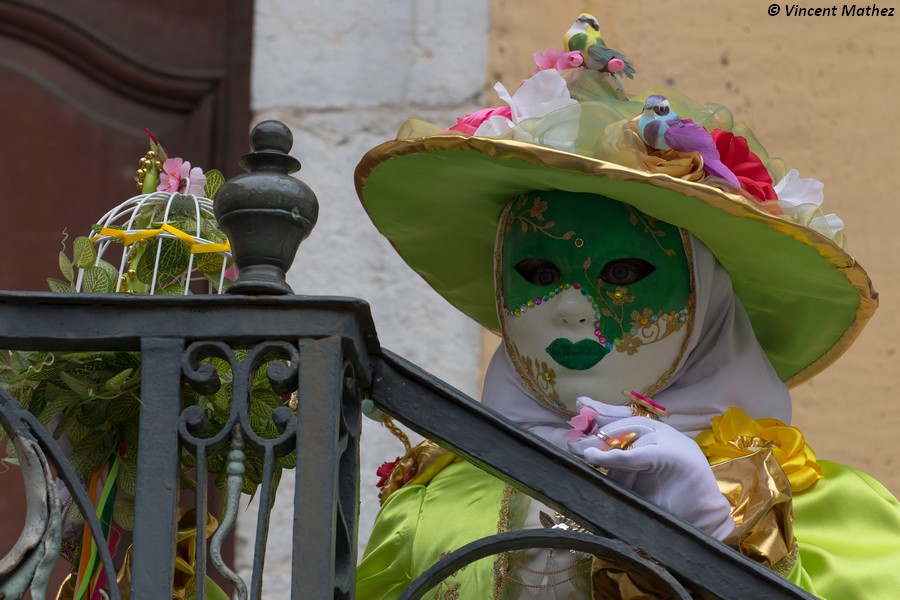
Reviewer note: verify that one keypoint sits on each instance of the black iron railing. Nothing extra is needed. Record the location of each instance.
(326, 350)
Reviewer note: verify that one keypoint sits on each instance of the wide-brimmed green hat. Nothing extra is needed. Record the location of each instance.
(438, 195)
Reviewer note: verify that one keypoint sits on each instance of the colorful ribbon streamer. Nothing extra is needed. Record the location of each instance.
(90, 569)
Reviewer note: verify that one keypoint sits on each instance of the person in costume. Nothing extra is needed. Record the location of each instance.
(656, 293)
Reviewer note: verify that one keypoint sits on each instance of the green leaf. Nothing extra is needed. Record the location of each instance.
(253, 468)
(36, 366)
(123, 513)
(56, 404)
(90, 454)
(214, 234)
(59, 286)
(213, 281)
(214, 180)
(288, 461)
(186, 483)
(216, 463)
(210, 262)
(128, 433)
(187, 223)
(73, 515)
(75, 384)
(83, 252)
(261, 419)
(115, 383)
(65, 267)
(11, 449)
(92, 414)
(70, 427)
(123, 409)
(101, 279)
(190, 588)
(174, 289)
(213, 591)
(173, 261)
(127, 478)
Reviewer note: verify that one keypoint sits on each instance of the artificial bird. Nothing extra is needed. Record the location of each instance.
(661, 128)
(584, 36)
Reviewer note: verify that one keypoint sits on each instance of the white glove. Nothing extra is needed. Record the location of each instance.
(663, 465)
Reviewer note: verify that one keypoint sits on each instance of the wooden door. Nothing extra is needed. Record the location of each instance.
(79, 81)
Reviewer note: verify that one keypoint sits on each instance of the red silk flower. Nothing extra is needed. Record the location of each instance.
(384, 472)
(735, 153)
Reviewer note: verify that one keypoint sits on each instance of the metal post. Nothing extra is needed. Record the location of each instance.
(316, 492)
(157, 474)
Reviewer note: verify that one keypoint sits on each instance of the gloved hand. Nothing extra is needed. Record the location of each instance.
(663, 465)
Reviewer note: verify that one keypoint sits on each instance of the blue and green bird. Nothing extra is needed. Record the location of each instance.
(584, 36)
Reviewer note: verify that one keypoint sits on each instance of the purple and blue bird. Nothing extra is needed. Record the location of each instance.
(661, 128)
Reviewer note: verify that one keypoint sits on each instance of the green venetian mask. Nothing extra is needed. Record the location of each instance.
(583, 277)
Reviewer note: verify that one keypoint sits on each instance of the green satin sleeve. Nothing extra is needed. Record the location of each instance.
(848, 532)
(419, 524)
(386, 567)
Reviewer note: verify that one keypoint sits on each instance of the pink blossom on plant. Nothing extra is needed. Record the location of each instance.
(582, 424)
(469, 123)
(178, 176)
(232, 272)
(170, 178)
(547, 59)
(557, 58)
(569, 60)
(615, 65)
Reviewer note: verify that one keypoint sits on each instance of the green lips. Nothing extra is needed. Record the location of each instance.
(577, 356)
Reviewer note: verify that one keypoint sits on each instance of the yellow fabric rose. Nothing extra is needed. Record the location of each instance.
(683, 165)
(735, 434)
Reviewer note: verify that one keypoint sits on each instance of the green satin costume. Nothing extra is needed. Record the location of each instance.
(847, 527)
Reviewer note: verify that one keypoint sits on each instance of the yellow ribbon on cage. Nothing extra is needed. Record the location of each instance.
(195, 246)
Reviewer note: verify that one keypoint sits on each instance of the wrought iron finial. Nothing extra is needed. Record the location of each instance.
(266, 213)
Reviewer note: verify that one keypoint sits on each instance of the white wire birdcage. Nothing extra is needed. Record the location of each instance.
(144, 223)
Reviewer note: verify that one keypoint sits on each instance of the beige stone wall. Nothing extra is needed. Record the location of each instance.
(820, 93)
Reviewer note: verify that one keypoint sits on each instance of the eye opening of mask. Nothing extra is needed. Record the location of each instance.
(625, 271)
(539, 271)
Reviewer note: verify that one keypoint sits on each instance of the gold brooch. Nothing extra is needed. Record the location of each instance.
(642, 406)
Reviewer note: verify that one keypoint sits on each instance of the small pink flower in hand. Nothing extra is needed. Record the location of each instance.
(178, 176)
(582, 424)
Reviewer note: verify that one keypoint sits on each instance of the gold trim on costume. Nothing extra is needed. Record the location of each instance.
(501, 563)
